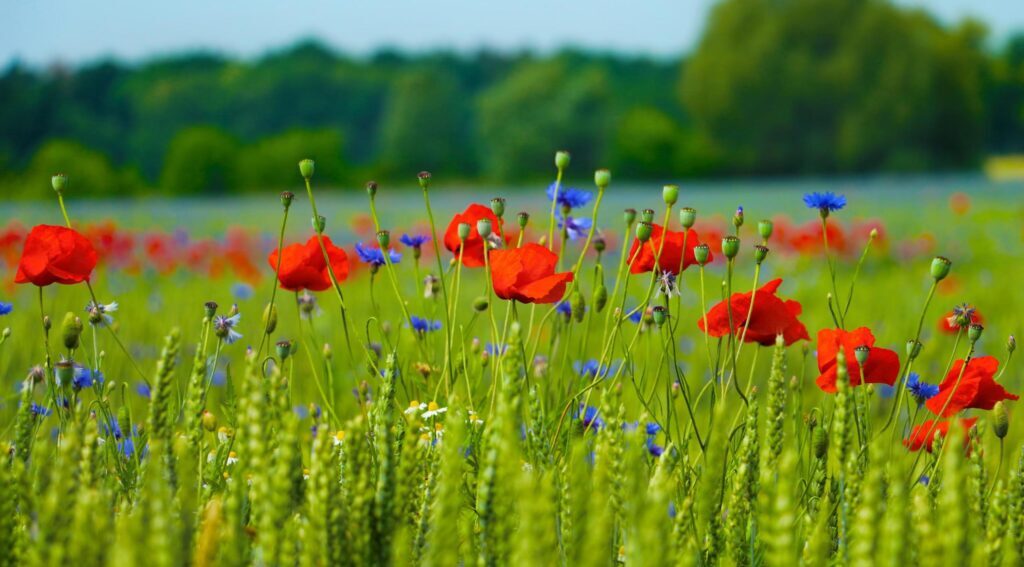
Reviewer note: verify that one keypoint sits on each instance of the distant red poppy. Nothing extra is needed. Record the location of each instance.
(473, 255)
(303, 265)
(924, 435)
(947, 323)
(976, 389)
(642, 258)
(527, 274)
(771, 316)
(809, 238)
(882, 367)
(55, 254)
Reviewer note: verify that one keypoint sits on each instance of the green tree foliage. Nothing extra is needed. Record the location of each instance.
(92, 172)
(270, 163)
(200, 160)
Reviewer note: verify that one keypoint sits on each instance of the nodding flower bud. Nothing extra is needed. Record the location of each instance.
(319, 223)
(71, 330)
(209, 421)
(577, 305)
(602, 178)
(464, 229)
(974, 332)
(59, 182)
(687, 216)
(210, 309)
(284, 349)
(523, 219)
(286, 199)
(383, 239)
(270, 318)
(913, 349)
(562, 159)
(498, 207)
(65, 370)
(660, 315)
(371, 188)
(730, 246)
(480, 304)
(1000, 420)
(819, 442)
(861, 353)
(306, 168)
(1011, 344)
(940, 268)
(483, 226)
(600, 297)
(701, 253)
(643, 231)
(765, 229)
(647, 215)
(873, 234)
(760, 253)
(599, 243)
(670, 194)
(424, 178)
(737, 219)
(629, 216)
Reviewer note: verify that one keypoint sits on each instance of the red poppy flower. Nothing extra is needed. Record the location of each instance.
(55, 254)
(527, 274)
(882, 366)
(473, 255)
(924, 435)
(671, 251)
(947, 323)
(771, 316)
(303, 266)
(977, 388)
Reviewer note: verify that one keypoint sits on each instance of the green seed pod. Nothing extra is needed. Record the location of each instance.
(861, 353)
(498, 207)
(670, 194)
(65, 370)
(371, 188)
(284, 349)
(940, 268)
(523, 218)
(59, 182)
(306, 168)
(647, 215)
(599, 243)
(765, 229)
(600, 297)
(383, 239)
(270, 318)
(660, 315)
(602, 178)
(480, 304)
(687, 217)
(643, 231)
(730, 246)
(701, 253)
(562, 159)
(1000, 420)
(286, 199)
(760, 253)
(71, 330)
(464, 230)
(629, 216)
(974, 332)
(210, 309)
(424, 179)
(577, 305)
(483, 226)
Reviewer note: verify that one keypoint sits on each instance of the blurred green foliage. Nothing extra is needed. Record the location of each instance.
(773, 87)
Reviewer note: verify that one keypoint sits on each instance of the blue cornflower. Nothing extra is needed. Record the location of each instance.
(824, 202)
(241, 291)
(592, 369)
(924, 479)
(652, 428)
(143, 389)
(224, 327)
(301, 411)
(421, 325)
(563, 308)
(589, 417)
(653, 448)
(574, 228)
(39, 411)
(636, 315)
(6, 308)
(219, 378)
(495, 349)
(921, 391)
(415, 241)
(85, 377)
(568, 197)
(374, 256)
(113, 429)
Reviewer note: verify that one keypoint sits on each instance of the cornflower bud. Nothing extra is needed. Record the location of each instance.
(599, 243)
(1011, 344)
(286, 199)
(647, 215)
(629, 216)
(498, 207)
(670, 194)
(483, 226)
(523, 218)
(687, 217)
(424, 179)
(760, 253)
(730, 246)
(765, 229)
(562, 159)
(602, 178)
(371, 188)
(737, 219)
(643, 231)
(306, 168)
(47, 323)
(940, 268)
(270, 318)
(59, 182)
(328, 352)
(701, 252)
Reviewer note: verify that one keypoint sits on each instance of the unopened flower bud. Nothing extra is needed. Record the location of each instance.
(602, 178)
(760, 253)
(209, 421)
(670, 194)
(65, 370)
(629, 216)
(820, 443)
(600, 297)
(47, 323)
(577, 305)
(424, 179)
(701, 253)
(687, 217)
(730, 246)
(940, 268)
(71, 330)
(599, 243)
(498, 207)
(270, 318)
(1000, 420)
(913, 349)
(319, 224)
(1011, 344)
(562, 159)
(737, 219)
(306, 168)
(59, 182)
(371, 188)
(765, 229)
(643, 231)
(328, 352)
(480, 304)
(523, 218)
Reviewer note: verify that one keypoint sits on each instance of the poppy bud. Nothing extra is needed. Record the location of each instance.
(676, 388)
(820, 443)
(873, 234)
(561, 159)
(643, 231)
(629, 215)
(599, 243)
(483, 226)
(765, 229)
(730, 246)
(59, 182)
(498, 207)
(602, 178)
(687, 216)
(474, 346)
(760, 253)
(306, 168)
(1000, 420)
(270, 318)
(464, 229)
(647, 215)
(319, 224)
(71, 330)
(862, 353)
(1011, 344)
(523, 218)
(47, 324)
(659, 314)
(974, 332)
(480, 304)
(577, 305)
(210, 309)
(371, 188)
(737, 219)
(600, 297)
(701, 252)
(209, 421)
(328, 353)
(65, 370)
(286, 198)
(383, 239)
(670, 194)
(284, 349)
(424, 178)
(940, 268)
(913, 349)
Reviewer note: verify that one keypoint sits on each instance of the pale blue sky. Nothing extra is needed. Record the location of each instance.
(72, 31)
